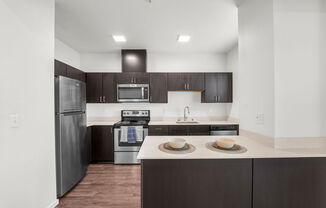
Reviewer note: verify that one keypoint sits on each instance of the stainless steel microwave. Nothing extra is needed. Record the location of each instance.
(133, 93)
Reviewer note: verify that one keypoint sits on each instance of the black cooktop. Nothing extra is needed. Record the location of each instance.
(131, 123)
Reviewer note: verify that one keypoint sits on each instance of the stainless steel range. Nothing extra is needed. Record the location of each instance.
(129, 135)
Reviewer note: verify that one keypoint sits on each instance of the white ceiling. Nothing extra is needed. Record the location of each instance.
(87, 25)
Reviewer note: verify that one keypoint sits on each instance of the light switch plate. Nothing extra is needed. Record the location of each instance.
(14, 120)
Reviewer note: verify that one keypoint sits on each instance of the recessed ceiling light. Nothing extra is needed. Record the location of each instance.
(119, 38)
(184, 38)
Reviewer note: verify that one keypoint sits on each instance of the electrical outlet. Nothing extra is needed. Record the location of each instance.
(260, 118)
(14, 121)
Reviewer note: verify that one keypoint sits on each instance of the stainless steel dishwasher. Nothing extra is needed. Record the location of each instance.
(224, 130)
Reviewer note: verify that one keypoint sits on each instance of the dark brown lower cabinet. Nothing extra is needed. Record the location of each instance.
(158, 130)
(178, 130)
(102, 144)
(185, 130)
(289, 183)
(197, 183)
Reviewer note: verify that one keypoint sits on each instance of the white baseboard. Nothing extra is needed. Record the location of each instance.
(54, 204)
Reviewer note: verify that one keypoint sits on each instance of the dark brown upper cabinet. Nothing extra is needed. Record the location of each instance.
(132, 78)
(134, 60)
(218, 88)
(60, 68)
(74, 73)
(109, 88)
(186, 82)
(101, 88)
(158, 88)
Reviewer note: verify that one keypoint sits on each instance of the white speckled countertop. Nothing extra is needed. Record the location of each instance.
(256, 149)
(169, 121)
(200, 122)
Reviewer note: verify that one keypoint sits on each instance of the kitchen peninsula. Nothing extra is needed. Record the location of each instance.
(261, 177)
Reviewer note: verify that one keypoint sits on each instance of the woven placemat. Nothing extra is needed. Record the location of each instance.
(237, 149)
(166, 148)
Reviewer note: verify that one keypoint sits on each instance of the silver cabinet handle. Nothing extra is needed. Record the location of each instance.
(104, 99)
(135, 80)
(215, 97)
(132, 80)
(188, 86)
(185, 86)
(100, 99)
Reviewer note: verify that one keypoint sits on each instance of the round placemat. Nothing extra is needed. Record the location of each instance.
(237, 149)
(189, 148)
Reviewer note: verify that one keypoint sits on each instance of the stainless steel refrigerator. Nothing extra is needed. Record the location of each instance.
(70, 130)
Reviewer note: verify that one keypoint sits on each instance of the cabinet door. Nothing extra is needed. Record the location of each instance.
(180, 130)
(177, 81)
(141, 78)
(74, 73)
(60, 69)
(195, 82)
(94, 87)
(158, 130)
(109, 88)
(124, 78)
(158, 88)
(224, 87)
(289, 183)
(199, 130)
(210, 93)
(102, 143)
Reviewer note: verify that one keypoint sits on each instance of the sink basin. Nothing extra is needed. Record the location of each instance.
(188, 121)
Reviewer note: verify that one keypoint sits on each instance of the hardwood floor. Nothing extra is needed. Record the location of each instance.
(106, 185)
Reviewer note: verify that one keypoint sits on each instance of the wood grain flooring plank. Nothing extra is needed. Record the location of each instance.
(106, 186)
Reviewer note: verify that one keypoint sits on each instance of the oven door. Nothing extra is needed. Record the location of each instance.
(133, 93)
(125, 147)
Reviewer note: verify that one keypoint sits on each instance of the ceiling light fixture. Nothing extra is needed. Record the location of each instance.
(184, 38)
(119, 38)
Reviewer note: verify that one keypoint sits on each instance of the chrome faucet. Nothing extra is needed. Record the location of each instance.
(185, 117)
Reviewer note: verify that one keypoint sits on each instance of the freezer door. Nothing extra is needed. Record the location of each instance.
(71, 150)
(70, 95)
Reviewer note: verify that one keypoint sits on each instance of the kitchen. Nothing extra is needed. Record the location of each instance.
(143, 103)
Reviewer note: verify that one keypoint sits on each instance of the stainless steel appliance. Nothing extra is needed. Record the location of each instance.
(133, 92)
(70, 133)
(126, 149)
(224, 130)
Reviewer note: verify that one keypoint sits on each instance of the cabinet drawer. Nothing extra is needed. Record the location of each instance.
(158, 130)
(198, 130)
(178, 130)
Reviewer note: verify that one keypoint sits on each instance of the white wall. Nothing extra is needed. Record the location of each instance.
(27, 154)
(300, 68)
(157, 62)
(66, 54)
(160, 62)
(232, 65)
(256, 65)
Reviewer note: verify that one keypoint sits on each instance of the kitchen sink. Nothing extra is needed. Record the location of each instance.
(188, 121)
